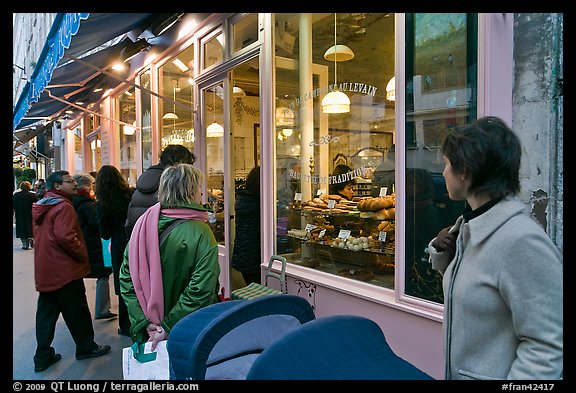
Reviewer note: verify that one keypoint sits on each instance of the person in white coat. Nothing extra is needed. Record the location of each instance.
(502, 274)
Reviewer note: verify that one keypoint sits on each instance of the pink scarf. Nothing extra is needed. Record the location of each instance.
(144, 258)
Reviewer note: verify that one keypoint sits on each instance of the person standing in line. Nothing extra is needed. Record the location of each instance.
(40, 188)
(146, 193)
(164, 280)
(22, 206)
(60, 265)
(502, 275)
(246, 257)
(113, 195)
(85, 205)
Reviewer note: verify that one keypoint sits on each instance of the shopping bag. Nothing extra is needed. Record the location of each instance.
(106, 252)
(140, 363)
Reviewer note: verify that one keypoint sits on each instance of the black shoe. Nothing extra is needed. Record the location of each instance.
(123, 333)
(108, 316)
(55, 358)
(99, 351)
(25, 248)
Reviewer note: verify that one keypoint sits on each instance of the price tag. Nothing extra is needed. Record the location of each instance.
(298, 196)
(331, 203)
(382, 236)
(344, 233)
(383, 191)
(321, 191)
(321, 234)
(309, 227)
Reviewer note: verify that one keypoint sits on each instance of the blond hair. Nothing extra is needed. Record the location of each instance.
(179, 184)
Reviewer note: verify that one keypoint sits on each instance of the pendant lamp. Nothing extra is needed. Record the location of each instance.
(391, 89)
(238, 92)
(335, 101)
(214, 130)
(172, 115)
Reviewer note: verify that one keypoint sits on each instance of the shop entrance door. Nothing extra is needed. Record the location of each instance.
(231, 130)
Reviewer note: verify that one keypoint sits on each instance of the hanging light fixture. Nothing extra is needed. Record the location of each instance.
(391, 89)
(238, 92)
(172, 115)
(335, 101)
(130, 130)
(214, 130)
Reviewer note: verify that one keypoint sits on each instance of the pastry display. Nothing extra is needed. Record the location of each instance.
(355, 238)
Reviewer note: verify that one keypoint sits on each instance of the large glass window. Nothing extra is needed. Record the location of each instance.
(146, 120)
(213, 98)
(334, 134)
(441, 93)
(175, 80)
(244, 31)
(127, 135)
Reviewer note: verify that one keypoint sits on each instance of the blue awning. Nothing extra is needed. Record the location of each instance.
(75, 34)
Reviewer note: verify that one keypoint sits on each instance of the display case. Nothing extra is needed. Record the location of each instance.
(353, 239)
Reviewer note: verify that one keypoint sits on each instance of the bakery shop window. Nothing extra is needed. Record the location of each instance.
(441, 63)
(332, 213)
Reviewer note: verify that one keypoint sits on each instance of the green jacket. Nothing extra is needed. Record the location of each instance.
(190, 270)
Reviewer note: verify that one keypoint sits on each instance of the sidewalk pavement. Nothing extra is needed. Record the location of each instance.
(107, 367)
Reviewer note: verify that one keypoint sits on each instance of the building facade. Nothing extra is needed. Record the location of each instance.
(301, 94)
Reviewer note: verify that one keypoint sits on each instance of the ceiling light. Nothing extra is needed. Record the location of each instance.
(130, 130)
(238, 92)
(391, 89)
(170, 116)
(335, 101)
(339, 53)
(178, 63)
(214, 130)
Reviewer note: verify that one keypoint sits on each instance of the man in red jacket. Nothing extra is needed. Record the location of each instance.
(60, 265)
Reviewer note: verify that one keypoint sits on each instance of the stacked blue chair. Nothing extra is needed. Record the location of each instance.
(222, 341)
(341, 347)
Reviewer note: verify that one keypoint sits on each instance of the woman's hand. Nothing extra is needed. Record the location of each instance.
(445, 241)
(156, 335)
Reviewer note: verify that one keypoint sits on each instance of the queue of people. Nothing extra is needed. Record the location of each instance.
(495, 260)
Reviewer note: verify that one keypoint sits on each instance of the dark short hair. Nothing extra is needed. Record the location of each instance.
(176, 154)
(489, 152)
(253, 180)
(340, 170)
(55, 177)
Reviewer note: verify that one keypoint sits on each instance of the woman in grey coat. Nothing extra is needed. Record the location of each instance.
(502, 275)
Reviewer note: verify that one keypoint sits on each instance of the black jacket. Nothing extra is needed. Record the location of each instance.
(111, 225)
(146, 195)
(22, 205)
(246, 256)
(86, 210)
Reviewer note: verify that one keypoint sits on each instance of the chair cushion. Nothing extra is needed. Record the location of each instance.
(253, 291)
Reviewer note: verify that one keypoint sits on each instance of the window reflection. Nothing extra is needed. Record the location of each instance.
(440, 94)
(176, 79)
(315, 228)
(127, 135)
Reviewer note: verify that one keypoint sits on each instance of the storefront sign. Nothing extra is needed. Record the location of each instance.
(345, 177)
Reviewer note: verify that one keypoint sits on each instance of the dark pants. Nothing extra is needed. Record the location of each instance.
(251, 277)
(71, 302)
